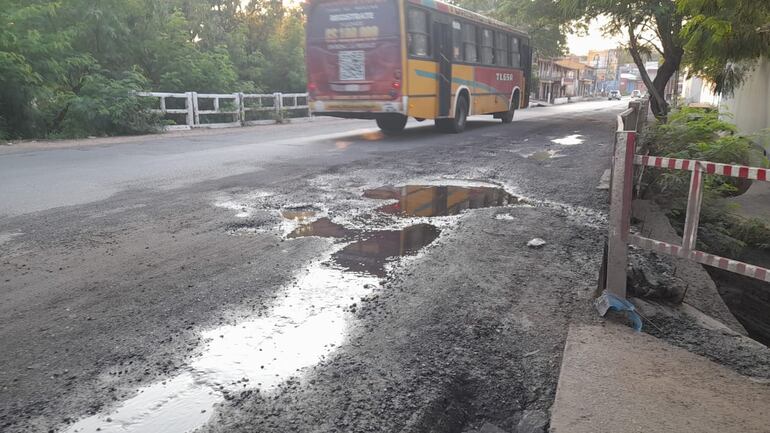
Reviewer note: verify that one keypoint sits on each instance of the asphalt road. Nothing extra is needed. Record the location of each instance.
(175, 282)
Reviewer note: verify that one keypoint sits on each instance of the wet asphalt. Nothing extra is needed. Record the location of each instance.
(250, 279)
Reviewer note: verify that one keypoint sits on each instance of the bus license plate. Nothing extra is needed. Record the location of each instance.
(352, 65)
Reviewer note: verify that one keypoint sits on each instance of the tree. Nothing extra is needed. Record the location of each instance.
(650, 25)
(724, 38)
(545, 23)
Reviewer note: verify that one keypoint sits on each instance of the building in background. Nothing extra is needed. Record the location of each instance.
(605, 63)
(564, 78)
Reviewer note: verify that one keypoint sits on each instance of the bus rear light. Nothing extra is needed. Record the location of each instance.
(396, 85)
(311, 87)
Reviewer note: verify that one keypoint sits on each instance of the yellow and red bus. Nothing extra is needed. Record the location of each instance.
(391, 59)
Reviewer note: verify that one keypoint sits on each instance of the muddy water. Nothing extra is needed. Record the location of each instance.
(371, 254)
(433, 201)
(309, 319)
(322, 227)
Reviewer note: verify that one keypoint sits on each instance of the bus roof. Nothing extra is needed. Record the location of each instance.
(456, 10)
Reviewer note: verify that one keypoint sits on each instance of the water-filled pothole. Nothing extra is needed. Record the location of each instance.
(308, 319)
(322, 227)
(433, 201)
(372, 253)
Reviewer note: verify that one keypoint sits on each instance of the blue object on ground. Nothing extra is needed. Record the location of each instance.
(607, 301)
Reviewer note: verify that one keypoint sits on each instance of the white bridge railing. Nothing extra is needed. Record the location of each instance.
(214, 110)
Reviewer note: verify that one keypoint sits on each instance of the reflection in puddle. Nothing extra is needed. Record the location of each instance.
(303, 327)
(569, 140)
(432, 201)
(299, 213)
(322, 227)
(307, 321)
(371, 254)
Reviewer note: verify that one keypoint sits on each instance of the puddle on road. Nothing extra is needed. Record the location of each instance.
(306, 324)
(569, 140)
(309, 319)
(301, 213)
(543, 155)
(322, 227)
(433, 201)
(371, 254)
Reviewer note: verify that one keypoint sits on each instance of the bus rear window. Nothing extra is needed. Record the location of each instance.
(336, 20)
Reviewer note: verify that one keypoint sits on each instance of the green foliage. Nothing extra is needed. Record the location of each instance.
(724, 38)
(68, 68)
(700, 134)
(105, 106)
(650, 26)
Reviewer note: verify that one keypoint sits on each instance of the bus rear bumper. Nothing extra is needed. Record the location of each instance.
(361, 109)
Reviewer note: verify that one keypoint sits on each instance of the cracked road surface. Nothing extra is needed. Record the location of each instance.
(307, 277)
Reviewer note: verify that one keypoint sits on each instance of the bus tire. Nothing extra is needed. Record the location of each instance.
(391, 124)
(457, 124)
(507, 116)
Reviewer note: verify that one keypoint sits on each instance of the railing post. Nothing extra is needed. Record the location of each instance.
(196, 116)
(278, 104)
(163, 104)
(241, 108)
(694, 201)
(188, 105)
(216, 104)
(620, 213)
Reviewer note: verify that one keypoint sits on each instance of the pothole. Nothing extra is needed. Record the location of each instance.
(300, 213)
(434, 201)
(371, 254)
(322, 227)
(310, 316)
(543, 155)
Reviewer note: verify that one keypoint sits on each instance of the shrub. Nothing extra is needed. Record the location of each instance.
(107, 106)
(694, 133)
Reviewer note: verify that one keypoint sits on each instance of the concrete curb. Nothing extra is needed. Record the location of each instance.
(613, 379)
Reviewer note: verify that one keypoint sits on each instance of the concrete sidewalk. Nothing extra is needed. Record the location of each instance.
(614, 380)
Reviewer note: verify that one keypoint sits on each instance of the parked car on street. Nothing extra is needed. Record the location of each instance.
(636, 94)
(614, 94)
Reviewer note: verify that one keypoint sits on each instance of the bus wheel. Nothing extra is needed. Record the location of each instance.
(507, 116)
(457, 124)
(393, 124)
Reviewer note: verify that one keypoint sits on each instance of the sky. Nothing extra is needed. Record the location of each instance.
(594, 40)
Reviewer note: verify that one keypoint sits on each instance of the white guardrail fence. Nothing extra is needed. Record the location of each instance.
(612, 278)
(213, 110)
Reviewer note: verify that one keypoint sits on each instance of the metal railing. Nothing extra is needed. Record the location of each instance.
(212, 110)
(614, 272)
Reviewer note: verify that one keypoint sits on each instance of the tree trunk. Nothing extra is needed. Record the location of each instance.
(668, 24)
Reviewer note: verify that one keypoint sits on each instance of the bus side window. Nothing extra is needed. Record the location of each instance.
(418, 37)
(469, 43)
(487, 50)
(515, 54)
(457, 41)
(501, 49)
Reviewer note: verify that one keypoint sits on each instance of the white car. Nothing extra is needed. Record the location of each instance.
(636, 94)
(614, 94)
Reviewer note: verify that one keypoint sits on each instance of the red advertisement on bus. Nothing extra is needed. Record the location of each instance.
(354, 57)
